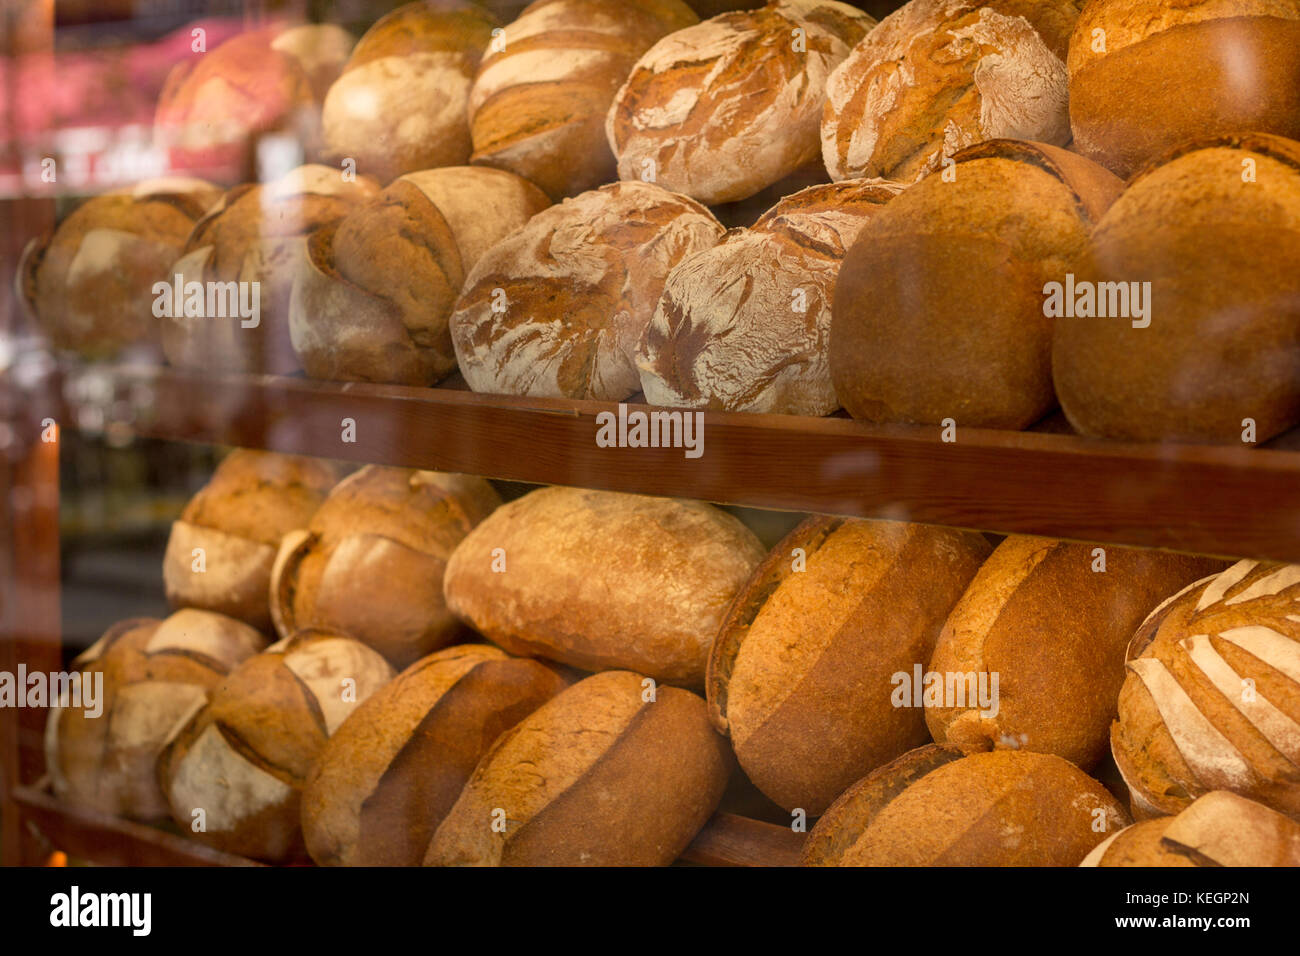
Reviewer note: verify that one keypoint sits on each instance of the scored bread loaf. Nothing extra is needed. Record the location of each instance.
(1212, 697)
(1053, 624)
(1214, 229)
(387, 533)
(611, 772)
(1218, 829)
(373, 294)
(720, 110)
(233, 775)
(558, 307)
(1132, 97)
(802, 672)
(939, 75)
(744, 326)
(392, 770)
(936, 806)
(401, 102)
(602, 580)
(939, 306)
(539, 102)
(155, 675)
(221, 549)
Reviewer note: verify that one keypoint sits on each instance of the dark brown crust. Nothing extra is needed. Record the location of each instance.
(1094, 187)
(284, 577)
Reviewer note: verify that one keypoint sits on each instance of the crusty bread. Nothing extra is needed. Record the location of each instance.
(744, 326)
(237, 520)
(801, 673)
(1212, 697)
(722, 109)
(155, 674)
(559, 306)
(601, 775)
(602, 580)
(935, 807)
(939, 75)
(1218, 829)
(388, 776)
(373, 293)
(1132, 97)
(539, 103)
(243, 759)
(1214, 227)
(382, 531)
(1055, 631)
(938, 308)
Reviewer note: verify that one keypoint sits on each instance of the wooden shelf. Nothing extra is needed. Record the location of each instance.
(1235, 502)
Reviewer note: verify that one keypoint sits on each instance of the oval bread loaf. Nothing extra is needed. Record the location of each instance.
(1212, 697)
(389, 774)
(598, 776)
(602, 580)
(1051, 629)
(802, 672)
(937, 807)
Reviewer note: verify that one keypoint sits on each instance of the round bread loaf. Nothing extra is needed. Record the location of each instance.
(90, 284)
(802, 672)
(1218, 829)
(373, 294)
(612, 772)
(602, 580)
(256, 237)
(744, 326)
(233, 775)
(221, 549)
(725, 108)
(401, 103)
(939, 306)
(1053, 629)
(384, 532)
(558, 307)
(389, 775)
(1132, 97)
(937, 807)
(939, 75)
(102, 753)
(539, 102)
(1213, 236)
(1212, 697)
(215, 104)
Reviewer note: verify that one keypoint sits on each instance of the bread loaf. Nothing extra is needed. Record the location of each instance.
(939, 75)
(1052, 623)
(935, 807)
(233, 775)
(539, 101)
(371, 300)
(400, 104)
(744, 326)
(257, 235)
(602, 580)
(220, 551)
(608, 773)
(939, 306)
(1132, 97)
(1212, 696)
(388, 776)
(722, 109)
(382, 533)
(558, 307)
(801, 675)
(1212, 236)
(1218, 829)
(90, 285)
(154, 675)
